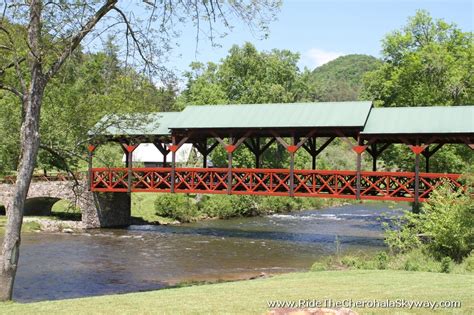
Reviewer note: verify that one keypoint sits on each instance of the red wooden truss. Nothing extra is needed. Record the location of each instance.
(396, 186)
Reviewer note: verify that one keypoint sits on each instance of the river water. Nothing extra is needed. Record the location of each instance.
(58, 266)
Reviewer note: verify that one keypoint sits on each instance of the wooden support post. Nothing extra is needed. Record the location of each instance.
(205, 149)
(90, 150)
(359, 166)
(428, 152)
(358, 149)
(204, 160)
(417, 149)
(292, 150)
(163, 150)
(173, 168)
(417, 179)
(130, 149)
(127, 159)
(173, 148)
(229, 173)
(427, 160)
(230, 149)
(129, 171)
(374, 157)
(311, 147)
(254, 145)
(257, 152)
(292, 174)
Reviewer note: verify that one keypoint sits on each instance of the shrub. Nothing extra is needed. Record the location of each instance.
(411, 265)
(448, 219)
(244, 205)
(219, 206)
(278, 204)
(382, 260)
(176, 206)
(416, 260)
(469, 262)
(444, 223)
(446, 264)
(401, 235)
(319, 266)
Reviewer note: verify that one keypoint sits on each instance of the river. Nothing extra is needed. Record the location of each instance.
(58, 266)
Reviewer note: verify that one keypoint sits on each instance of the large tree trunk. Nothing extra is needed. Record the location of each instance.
(29, 137)
(29, 151)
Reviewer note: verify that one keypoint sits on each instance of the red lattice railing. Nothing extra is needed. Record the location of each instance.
(399, 186)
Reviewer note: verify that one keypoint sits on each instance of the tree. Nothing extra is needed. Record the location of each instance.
(50, 33)
(246, 76)
(428, 62)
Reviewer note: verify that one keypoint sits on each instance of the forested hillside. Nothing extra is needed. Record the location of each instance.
(341, 79)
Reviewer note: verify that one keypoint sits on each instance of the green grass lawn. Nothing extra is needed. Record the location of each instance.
(250, 297)
(143, 206)
(26, 227)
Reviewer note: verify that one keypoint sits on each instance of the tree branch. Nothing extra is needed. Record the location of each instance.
(133, 35)
(76, 39)
(12, 90)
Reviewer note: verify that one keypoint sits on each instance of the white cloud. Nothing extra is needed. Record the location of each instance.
(316, 57)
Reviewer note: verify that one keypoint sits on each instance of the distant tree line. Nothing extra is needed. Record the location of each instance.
(427, 62)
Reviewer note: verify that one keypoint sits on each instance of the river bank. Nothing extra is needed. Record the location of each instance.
(182, 208)
(253, 296)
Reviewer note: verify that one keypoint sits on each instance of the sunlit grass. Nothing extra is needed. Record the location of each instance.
(250, 297)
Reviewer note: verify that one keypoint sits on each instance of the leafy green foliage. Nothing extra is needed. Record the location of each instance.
(428, 62)
(414, 260)
(443, 227)
(446, 265)
(187, 208)
(223, 206)
(246, 76)
(176, 206)
(89, 86)
(447, 219)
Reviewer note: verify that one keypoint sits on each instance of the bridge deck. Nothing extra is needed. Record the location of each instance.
(397, 186)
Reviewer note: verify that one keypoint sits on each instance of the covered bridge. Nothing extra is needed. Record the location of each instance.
(294, 126)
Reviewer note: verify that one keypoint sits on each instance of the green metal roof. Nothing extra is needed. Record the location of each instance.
(420, 120)
(156, 124)
(331, 114)
(373, 121)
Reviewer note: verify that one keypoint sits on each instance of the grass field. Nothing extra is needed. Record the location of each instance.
(251, 296)
(26, 227)
(143, 206)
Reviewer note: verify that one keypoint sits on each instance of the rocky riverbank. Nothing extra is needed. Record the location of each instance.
(52, 225)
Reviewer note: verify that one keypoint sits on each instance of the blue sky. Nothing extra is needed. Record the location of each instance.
(322, 30)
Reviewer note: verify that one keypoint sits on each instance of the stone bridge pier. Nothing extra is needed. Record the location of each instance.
(98, 209)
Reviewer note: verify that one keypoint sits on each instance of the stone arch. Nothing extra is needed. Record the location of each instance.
(97, 209)
(39, 206)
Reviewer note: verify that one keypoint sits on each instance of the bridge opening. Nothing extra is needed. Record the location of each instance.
(66, 210)
(52, 206)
